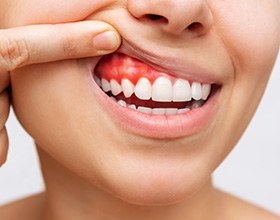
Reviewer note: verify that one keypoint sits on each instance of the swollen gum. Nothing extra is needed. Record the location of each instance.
(118, 66)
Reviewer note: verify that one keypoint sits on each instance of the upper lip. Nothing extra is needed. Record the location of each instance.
(171, 65)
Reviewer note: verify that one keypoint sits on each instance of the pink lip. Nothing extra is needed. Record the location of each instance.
(159, 126)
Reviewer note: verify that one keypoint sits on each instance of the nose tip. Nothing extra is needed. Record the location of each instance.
(174, 16)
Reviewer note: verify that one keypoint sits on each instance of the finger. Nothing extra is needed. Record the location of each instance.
(4, 80)
(4, 143)
(44, 43)
(4, 108)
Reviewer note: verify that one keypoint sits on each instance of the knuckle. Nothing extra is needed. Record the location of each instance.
(14, 53)
(69, 45)
(4, 144)
(4, 108)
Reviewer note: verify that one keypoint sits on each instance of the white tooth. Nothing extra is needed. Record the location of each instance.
(116, 88)
(113, 98)
(97, 80)
(171, 111)
(127, 87)
(122, 103)
(196, 91)
(182, 91)
(143, 89)
(105, 85)
(144, 110)
(162, 90)
(132, 106)
(183, 110)
(158, 111)
(206, 88)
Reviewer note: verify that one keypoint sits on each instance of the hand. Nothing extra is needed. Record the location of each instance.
(44, 43)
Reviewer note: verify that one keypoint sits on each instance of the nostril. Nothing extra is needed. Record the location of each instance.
(195, 27)
(155, 17)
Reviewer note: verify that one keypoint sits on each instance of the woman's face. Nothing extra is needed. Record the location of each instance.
(140, 157)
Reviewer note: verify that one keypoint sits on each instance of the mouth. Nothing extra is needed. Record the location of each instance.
(151, 102)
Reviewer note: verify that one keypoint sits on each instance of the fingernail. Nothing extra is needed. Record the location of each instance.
(106, 41)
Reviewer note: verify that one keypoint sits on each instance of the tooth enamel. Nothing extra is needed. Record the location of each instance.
(105, 85)
(158, 111)
(196, 91)
(144, 110)
(97, 80)
(206, 88)
(171, 111)
(143, 89)
(183, 110)
(122, 103)
(115, 87)
(132, 106)
(127, 87)
(182, 91)
(162, 90)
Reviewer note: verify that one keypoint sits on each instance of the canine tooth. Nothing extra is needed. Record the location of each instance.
(115, 87)
(162, 90)
(206, 88)
(182, 91)
(127, 87)
(106, 87)
(143, 89)
(132, 106)
(122, 103)
(144, 110)
(183, 110)
(196, 91)
(97, 80)
(158, 111)
(171, 111)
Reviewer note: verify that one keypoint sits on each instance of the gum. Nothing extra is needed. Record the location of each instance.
(118, 66)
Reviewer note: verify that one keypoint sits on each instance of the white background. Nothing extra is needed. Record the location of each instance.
(252, 171)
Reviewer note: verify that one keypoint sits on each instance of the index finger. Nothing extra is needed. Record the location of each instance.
(44, 43)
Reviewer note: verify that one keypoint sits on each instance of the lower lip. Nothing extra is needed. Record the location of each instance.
(158, 126)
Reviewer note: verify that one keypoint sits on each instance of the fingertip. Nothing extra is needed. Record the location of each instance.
(107, 41)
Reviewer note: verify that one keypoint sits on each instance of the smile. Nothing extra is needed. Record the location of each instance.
(149, 102)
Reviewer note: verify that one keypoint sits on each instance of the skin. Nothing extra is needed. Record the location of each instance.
(89, 163)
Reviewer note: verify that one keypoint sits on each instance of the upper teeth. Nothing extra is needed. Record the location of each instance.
(162, 89)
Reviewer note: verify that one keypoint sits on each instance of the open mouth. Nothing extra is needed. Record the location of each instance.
(135, 85)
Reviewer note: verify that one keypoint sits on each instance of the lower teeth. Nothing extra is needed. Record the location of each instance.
(159, 111)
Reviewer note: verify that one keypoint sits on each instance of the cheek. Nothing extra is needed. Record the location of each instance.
(51, 11)
(251, 32)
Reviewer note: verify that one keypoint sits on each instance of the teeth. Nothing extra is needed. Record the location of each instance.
(158, 111)
(127, 87)
(116, 88)
(122, 103)
(171, 111)
(105, 85)
(162, 90)
(196, 91)
(144, 110)
(182, 91)
(206, 88)
(132, 106)
(183, 110)
(143, 89)
(97, 80)
(197, 104)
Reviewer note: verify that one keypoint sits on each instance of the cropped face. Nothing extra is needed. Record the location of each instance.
(151, 122)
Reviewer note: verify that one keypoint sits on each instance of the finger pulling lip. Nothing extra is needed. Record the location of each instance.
(160, 126)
